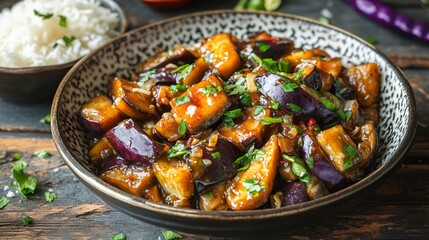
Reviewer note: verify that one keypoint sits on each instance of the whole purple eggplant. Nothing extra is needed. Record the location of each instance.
(271, 86)
(386, 16)
(133, 144)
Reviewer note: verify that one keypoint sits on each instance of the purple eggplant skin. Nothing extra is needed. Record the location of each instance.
(133, 144)
(313, 80)
(340, 90)
(220, 168)
(386, 16)
(112, 162)
(293, 193)
(178, 57)
(325, 172)
(310, 108)
(276, 49)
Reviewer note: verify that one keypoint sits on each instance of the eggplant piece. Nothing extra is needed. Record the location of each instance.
(251, 188)
(112, 162)
(219, 50)
(342, 151)
(293, 193)
(370, 114)
(298, 56)
(331, 66)
(212, 164)
(174, 177)
(199, 69)
(132, 179)
(153, 194)
(101, 151)
(367, 146)
(271, 48)
(271, 86)
(168, 128)
(365, 82)
(98, 115)
(213, 199)
(133, 144)
(201, 105)
(341, 90)
(249, 130)
(319, 164)
(174, 201)
(315, 78)
(179, 55)
(130, 99)
(353, 116)
(316, 189)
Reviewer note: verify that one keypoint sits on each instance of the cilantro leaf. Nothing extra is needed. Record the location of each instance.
(17, 156)
(298, 168)
(211, 89)
(43, 16)
(119, 236)
(180, 100)
(216, 155)
(327, 103)
(229, 116)
(244, 161)
(252, 186)
(258, 110)
(182, 127)
(371, 41)
(146, 76)
(50, 197)
(170, 235)
(295, 108)
(3, 202)
(27, 220)
(68, 40)
(263, 47)
(289, 86)
(351, 152)
(177, 150)
(42, 154)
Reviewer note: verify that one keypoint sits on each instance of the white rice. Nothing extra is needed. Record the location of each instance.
(28, 41)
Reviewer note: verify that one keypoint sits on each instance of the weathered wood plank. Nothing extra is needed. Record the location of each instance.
(399, 209)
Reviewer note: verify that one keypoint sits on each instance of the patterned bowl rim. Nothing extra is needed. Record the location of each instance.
(123, 25)
(90, 180)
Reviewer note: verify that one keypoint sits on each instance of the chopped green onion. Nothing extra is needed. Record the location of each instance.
(263, 47)
(216, 155)
(289, 86)
(271, 120)
(182, 127)
(252, 186)
(258, 110)
(212, 89)
(178, 88)
(177, 150)
(182, 100)
(295, 108)
(351, 152)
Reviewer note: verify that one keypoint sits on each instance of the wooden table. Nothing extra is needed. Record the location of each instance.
(398, 210)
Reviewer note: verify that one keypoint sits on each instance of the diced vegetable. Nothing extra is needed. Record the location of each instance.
(315, 78)
(219, 50)
(101, 151)
(213, 199)
(153, 194)
(132, 143)
(365, 82)
(332, 66)
(249, 130)
(367, 145)
(174, 177)
(199, 68)
(293, 193)
(197, 108)
(286, 92)
(133, 179)
(179, 55)
(250, 188)
(99, 115)
(168, 128)
(132, 100)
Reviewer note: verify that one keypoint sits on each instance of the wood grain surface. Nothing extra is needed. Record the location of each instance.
(398, 210)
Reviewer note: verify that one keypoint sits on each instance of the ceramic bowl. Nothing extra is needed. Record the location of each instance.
(38, 84)
(90, 77)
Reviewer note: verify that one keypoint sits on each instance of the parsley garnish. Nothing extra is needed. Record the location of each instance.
(298, 168)
(27, 220)
(146, 76)
(263, 47)
(216, 155)
(274, 105)
(289, 86)
(350, 151)
(170, 235)
(271, 120)
(252, 186)
(281, 67)
(177, 150)
(295, 108)
(184, 69)
(327, 103)
(258, 110)
(46, 119)
(63, 21)
(43, 16)
(3, 202)
(42, 154)
(119, 236)
(68, 40)
(211, 89)
(182, 100)
(178, 88)
(228, 117)
(244, 161)
(25, 184)
(237, 88)
(182, 127)
(50, 197)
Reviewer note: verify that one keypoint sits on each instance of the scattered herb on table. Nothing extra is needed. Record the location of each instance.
(46, 119)
(371, 41)
(27, 220)
(17, 156)
(3, 202)
(42, 154)
(324, 20)
(119, 236)
(169, 235)
(25, 184)
(50, 197)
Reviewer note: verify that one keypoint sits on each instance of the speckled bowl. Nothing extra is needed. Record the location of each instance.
(90, 77)
(38, 84)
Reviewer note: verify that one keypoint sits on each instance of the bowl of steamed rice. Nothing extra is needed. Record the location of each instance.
(42, 40)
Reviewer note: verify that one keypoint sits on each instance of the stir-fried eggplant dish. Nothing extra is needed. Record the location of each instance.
(229, 124)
